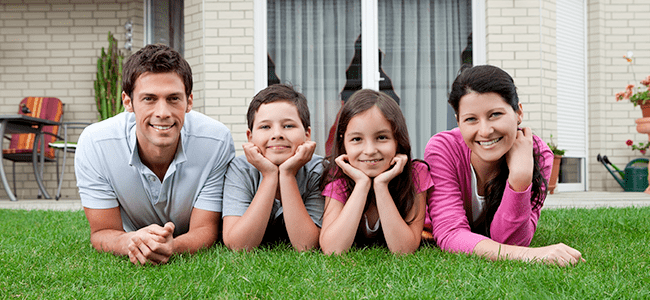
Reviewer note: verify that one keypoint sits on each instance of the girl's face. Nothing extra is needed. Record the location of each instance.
(369, 142)
(488, 125)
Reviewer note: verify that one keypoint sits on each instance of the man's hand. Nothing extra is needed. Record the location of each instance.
(520, 160)
(398, 162)
(152, 244)
(254, 157)
(302, 156)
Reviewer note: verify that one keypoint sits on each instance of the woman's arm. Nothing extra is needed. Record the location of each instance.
(515, 221)
(559, 254)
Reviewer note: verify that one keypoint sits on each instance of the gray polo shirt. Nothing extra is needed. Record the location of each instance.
(243, 180)
(110, 173)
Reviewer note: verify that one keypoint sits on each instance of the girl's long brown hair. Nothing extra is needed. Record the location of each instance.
(402, 188)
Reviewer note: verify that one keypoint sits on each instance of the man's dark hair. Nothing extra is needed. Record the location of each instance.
(279, 92)
(155, 59)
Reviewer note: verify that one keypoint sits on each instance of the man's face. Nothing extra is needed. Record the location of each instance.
(159, 103)
(278, 131)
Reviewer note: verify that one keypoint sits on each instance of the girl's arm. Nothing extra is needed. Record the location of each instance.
(400, 236)
(341, 221)
(515, 221)
(559, 254)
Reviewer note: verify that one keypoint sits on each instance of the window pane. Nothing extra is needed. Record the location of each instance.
(311, 45)
(165, 24)
(422, 45)
(570, 170)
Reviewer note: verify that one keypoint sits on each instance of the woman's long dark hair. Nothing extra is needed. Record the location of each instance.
(402, 187)
(491, 79)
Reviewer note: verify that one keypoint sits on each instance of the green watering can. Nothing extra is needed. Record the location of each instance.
(634, 178)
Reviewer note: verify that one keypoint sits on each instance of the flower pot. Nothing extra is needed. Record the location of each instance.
(645, 110)
(555, 171)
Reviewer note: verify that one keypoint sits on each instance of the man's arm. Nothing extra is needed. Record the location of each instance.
(203, 232)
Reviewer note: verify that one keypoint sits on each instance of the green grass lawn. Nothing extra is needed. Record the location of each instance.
(47, 254)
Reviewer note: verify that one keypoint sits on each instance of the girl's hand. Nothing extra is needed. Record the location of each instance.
(357, 175)
(398, 162)
(520, 160)
(558, 254)
(254, 157)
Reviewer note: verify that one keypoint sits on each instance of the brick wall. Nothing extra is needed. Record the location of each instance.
(615, 27)
(228, 68)
(521, 40)
(49, 48)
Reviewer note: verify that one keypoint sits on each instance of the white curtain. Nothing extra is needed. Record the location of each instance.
(422, 42)
(311, 44)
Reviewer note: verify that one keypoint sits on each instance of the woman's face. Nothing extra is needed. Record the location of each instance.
(488, 125)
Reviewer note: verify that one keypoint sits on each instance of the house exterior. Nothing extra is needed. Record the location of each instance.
(566, 58)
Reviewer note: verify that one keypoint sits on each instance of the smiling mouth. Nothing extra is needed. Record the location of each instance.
(277, 147)
(490, 143)
(158, 127)
(371, 161)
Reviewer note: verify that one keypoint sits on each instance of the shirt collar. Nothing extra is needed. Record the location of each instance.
(179, 157)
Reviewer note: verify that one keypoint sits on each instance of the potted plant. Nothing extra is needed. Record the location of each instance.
(108, 85)
(638, 96)
(555, 171)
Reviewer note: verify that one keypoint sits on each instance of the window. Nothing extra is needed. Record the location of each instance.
(164, 23)
(412, 50)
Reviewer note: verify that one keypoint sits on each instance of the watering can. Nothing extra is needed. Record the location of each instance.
(633, 178)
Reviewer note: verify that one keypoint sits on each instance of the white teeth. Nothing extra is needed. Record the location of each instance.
(490, 142)
(161, 127)
(371, 161)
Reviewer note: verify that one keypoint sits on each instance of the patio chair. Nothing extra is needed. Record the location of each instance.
(66, 146)
(21, 145)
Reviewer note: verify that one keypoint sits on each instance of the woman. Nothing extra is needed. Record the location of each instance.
(490, 176)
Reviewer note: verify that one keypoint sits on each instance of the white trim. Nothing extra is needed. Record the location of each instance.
(260, 61)
(369, 45)
(147, 22)
(479, 52)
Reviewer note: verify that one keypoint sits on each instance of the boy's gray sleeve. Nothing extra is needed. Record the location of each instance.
(314, 201)
(238, 190)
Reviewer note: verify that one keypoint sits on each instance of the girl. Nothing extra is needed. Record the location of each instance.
(490, 176)
(373, 191)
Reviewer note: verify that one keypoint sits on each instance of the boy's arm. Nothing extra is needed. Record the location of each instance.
(247, 231)
(302, 231)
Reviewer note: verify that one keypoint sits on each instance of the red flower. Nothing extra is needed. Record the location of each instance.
(629, 142)
(642, 151)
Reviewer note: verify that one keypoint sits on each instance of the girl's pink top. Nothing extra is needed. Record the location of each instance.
(338, 189)
(449, 204)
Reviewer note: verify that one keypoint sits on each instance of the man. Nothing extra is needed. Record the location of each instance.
(151, 178)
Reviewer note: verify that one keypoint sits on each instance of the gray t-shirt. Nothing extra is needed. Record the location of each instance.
(243, 180)
(110, 173)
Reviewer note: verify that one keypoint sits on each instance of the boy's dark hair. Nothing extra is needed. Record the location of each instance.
(155, 59)
(279, 92)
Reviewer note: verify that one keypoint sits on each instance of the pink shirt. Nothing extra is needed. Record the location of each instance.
(338, 189)
(515, 221)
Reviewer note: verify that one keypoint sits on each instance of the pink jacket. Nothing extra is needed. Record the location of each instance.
(515, 221)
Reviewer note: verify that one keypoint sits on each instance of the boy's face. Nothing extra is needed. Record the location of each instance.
(277, 131)
(159, 103)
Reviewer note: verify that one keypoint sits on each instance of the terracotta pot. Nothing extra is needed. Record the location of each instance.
(555, 171)
(645, 110)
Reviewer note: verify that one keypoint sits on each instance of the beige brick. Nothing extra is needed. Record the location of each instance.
(61, 22)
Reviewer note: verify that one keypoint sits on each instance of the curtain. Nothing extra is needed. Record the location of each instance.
(311, 44)
(422, 44)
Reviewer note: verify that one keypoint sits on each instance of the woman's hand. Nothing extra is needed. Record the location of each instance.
(520, 160)
(558, 254)
(398, 162)
(357, 175)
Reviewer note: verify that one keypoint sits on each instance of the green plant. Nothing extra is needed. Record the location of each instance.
(108, 85)
(642, 94)
(554, 148)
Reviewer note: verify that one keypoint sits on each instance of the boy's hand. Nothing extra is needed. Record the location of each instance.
(357, 175)
(302, 156)
(254, 157)
(398, 162)
(152, 244)
(520, 161)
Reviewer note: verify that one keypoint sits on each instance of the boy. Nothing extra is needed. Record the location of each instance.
(272, 192)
